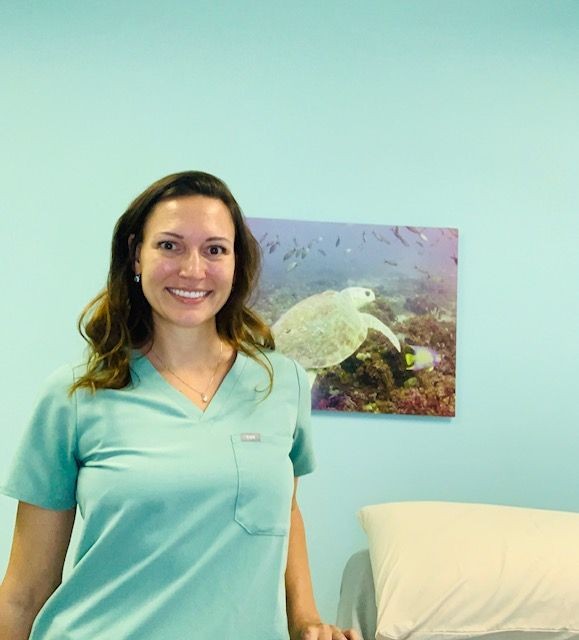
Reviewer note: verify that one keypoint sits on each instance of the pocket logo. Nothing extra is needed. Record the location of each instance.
(251, 437)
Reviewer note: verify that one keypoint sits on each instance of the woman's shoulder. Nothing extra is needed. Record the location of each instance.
(62, 376)
(277, 358)
(51, 396)
(59, 380)
(283, 364)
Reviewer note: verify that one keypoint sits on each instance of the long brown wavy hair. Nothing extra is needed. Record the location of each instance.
(119, 318)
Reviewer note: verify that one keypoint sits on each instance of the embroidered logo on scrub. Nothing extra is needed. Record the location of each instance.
(251, 437)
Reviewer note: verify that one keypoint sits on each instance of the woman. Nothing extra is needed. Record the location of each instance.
(181, 441)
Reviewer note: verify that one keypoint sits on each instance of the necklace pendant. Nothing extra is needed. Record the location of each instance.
(204, 397)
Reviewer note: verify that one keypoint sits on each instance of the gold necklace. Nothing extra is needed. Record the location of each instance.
(203, 394)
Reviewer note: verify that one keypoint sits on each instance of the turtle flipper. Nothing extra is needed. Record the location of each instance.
(374, 323)
(312, 375)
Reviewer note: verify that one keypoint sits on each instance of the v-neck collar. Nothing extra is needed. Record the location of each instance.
(145, 370)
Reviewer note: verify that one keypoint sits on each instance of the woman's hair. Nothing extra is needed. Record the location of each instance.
(119, 318)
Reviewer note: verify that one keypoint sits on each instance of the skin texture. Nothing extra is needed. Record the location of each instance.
(187, 244)
(41, 538)
(303, 618)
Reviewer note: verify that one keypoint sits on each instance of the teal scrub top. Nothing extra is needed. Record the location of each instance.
(186, 513)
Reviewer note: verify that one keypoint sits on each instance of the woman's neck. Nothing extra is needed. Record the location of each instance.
(178, 347)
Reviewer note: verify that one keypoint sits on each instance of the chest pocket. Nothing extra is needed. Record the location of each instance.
(264, 483)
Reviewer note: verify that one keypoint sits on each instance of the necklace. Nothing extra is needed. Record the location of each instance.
(203, 394)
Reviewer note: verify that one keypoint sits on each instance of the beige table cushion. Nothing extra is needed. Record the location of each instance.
(448, 570)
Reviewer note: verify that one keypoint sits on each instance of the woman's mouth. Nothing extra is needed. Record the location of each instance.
(195, 294)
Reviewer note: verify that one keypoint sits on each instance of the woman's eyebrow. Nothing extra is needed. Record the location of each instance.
(180, 237)
(170, 233)
(220, 238)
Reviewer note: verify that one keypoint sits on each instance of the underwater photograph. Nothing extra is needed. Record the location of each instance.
(369, 311)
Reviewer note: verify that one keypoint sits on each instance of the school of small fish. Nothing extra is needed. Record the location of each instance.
(297, 252)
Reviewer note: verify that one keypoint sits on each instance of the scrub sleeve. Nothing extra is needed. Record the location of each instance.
(45, 468)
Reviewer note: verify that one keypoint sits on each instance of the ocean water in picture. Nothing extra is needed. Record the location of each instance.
(369, 311)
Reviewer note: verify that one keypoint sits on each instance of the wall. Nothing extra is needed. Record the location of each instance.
(438, 114)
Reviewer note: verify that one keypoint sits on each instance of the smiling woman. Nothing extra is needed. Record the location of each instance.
(181, 441)
(187, 229)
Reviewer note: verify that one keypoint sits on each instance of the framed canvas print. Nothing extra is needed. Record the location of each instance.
(368, 310)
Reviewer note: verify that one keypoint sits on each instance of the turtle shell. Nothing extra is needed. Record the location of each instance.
(320, 331)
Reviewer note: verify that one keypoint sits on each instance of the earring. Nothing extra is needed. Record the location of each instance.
(137, 278)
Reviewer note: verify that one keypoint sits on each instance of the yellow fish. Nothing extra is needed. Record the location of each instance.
(422, 358)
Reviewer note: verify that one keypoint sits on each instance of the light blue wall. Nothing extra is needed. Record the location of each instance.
(443, 113)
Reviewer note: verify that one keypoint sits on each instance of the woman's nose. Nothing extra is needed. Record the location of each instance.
(193, 266)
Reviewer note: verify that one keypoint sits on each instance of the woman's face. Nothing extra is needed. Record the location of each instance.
(187, 261)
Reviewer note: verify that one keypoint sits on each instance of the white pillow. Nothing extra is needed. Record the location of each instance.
(449, 570)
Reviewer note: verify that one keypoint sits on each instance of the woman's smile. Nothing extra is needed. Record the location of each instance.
(186, 295)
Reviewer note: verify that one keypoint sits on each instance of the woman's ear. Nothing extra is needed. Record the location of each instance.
(134, 251)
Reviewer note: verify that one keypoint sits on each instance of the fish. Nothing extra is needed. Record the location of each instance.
(263, 237)
(295, 242)
(421, 358)
(391, 263)
(338, 242)
(348, 250)
(418, 233)
(423, 271)
(291, 266)
(289, 254)
(380, 237)
(396, 232)
(363, 236)
(454, 259)
(322, 252)
(273, 247)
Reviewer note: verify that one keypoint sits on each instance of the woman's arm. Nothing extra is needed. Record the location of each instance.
(41, 539)
(304, 621)
(300, 603)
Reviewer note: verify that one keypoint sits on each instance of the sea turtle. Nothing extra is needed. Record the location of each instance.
(324, 329)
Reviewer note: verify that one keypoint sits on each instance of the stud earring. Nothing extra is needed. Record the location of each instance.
(137, 278)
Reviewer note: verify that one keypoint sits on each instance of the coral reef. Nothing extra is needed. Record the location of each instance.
(434, 396)
(382, 310)
(362, 382)
(375, 379)
(420, 304)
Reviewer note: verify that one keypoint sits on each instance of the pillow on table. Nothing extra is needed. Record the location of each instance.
(447, 570)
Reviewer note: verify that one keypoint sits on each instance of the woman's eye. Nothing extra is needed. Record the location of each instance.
(216, 250)
(167, 244)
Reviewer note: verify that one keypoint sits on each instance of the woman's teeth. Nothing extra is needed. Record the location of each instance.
(189, 294)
